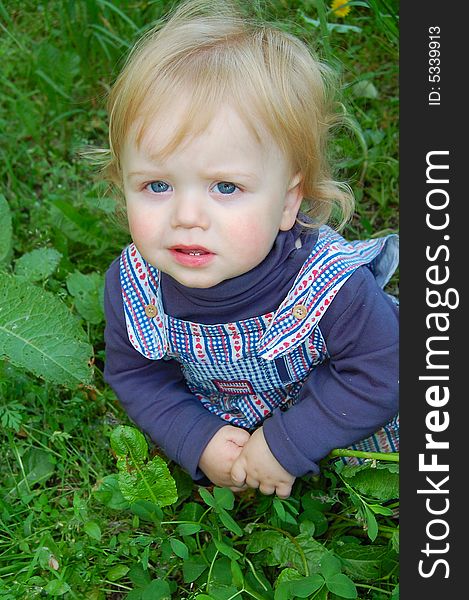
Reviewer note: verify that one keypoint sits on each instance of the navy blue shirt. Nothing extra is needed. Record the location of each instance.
(346, 398)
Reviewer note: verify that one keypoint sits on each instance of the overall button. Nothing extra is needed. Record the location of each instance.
(150, 310)
(299, 311)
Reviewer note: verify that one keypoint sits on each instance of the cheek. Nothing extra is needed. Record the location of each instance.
(252, 238)
(141, 225)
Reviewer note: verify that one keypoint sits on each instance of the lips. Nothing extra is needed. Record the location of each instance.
(191, 256)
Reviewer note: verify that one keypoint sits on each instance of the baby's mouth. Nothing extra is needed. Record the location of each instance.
(191, 250)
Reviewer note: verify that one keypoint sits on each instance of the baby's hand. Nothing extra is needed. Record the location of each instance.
(220, 453)
(257, 467)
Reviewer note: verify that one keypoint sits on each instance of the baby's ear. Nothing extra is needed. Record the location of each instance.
(293, 199)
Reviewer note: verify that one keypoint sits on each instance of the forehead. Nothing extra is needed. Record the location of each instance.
(218, 132)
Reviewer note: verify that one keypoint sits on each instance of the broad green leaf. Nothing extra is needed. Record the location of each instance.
(88, 293)
(148, 511)
(192, 569)
(227, 550)
(288, 553)
(117, 572)
(93, 530)
(110, 495)
(330, 565)
(380, 482)
(341, 585)
(188, 528)
(363, 563)
(38, 465)
(364, 89)
(224, 497)
(57, 588)
(179, 548)
(128, 441)
(151, 482)
(158, 589)
(299, 588)
(237, 574)
(76, 223)
(263, 540)
(5, 228)
(38, 264)
(207, 497)
(38, 333)
(140, 480)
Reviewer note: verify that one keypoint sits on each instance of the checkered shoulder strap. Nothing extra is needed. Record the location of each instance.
(331, 262)
(143, 307)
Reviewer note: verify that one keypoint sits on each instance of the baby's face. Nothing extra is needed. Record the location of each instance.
(210, 210)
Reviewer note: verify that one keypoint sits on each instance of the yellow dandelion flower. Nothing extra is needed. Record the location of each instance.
(340, 8)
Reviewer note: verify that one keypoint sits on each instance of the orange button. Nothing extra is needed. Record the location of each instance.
(150, 310)
(299, 311)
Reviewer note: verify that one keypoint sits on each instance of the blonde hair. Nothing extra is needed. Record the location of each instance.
(208, 53)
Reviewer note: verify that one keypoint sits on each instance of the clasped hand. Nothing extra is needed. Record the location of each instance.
(237, 460)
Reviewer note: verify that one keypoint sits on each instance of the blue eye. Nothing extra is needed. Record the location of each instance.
(158, 187)
(225, 187)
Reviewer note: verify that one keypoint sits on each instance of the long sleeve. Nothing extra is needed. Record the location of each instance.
(153, 393)
(355, 391)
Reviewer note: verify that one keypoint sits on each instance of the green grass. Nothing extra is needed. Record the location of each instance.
(61, 533)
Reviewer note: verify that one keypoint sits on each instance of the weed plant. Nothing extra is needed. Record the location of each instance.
(75, 522)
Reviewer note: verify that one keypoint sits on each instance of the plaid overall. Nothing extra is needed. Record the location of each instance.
(243, 371)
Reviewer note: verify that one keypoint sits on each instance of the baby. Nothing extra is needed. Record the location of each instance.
(245, 337)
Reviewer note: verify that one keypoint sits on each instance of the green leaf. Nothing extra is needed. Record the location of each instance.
(263, 540)
(363, 563)
(299, 588)
(76, 223)
(380, 481)
(179, 548)
(192, 569)
(341, 585)
(380, 510)
(38, 264)
(290, 554)
(364, 89)
(330, 566)
(237, 574)
(224, 497)
(6, 229)
(88, 293)
(139, 480)
(57, 588)
(93, 530)
(110, 495)
(128, 441)
(38, 467)
(188, 528)
(38, 333)
(207, 497)
(158, 589)
(227, 550)
(117, 572)
(148, 511)
(371, 523)
(229, 522)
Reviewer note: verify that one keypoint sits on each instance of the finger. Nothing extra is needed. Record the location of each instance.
(238, 473)
(240, 436)
(252, 482)
(283, 491)
(266, 489)
(237, 490)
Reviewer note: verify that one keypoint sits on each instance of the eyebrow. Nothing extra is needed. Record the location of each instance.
(219, 175)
